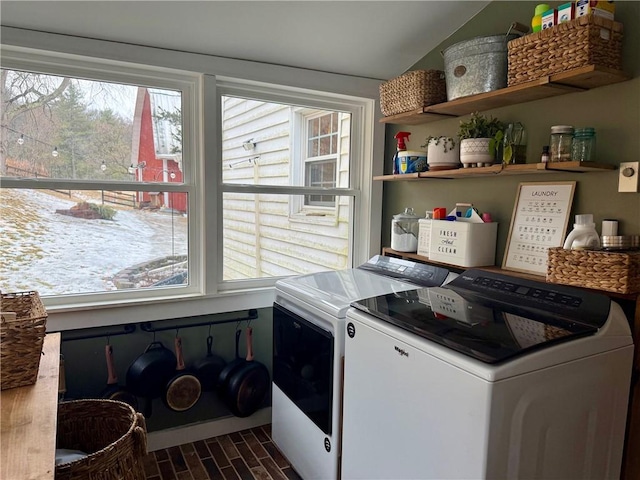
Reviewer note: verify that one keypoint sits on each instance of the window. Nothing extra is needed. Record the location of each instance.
(321, 156)
(95, 197)
(288, 201)
(124, 184)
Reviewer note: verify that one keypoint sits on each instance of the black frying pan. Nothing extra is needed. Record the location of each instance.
(208, 368)
(183, 389)
(245, 385)
(113, 391)
(147, 376)
(228, 369)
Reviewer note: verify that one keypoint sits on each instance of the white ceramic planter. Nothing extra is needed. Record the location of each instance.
(474, 152)
(439, 159)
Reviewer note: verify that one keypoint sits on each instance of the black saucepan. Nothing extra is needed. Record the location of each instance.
(113, 391)
(183, 389)
(244, 386)
(208, 368)
(148, 375)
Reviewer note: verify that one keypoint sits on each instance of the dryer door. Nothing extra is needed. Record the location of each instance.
(302, 365)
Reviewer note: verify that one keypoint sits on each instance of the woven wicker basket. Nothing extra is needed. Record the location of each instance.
(610, 271)
(587, 40)
(22, 329)
(411, 91)
(111, 432)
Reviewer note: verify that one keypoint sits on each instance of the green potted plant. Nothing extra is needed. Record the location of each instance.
(480, 138)
(443, 153)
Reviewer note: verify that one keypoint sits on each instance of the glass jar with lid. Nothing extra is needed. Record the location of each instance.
(404, 231)
(584, 145)
(561, 143)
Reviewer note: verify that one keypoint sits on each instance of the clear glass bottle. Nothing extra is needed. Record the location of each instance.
(561, 142)
(584, 145)
(514, 147)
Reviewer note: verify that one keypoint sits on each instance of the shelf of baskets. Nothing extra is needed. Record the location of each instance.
(502, 170)
(575, 80)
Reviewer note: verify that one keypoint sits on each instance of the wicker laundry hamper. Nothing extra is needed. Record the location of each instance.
(111, 432)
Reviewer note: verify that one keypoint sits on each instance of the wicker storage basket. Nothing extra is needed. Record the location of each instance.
(22, 328)
(587, 40)
(411, 91)
(610, 271)
(110, 431)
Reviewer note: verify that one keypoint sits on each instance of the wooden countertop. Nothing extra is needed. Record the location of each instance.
(28, 421)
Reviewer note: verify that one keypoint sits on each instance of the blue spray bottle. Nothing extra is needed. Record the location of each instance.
(400, 137)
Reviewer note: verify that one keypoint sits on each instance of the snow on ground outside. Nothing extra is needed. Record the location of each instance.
(56, 254)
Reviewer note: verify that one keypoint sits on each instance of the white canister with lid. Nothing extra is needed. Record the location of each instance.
(404, 231)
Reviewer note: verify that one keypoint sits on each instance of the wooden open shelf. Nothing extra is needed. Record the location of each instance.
(575, 80)
(499, 169)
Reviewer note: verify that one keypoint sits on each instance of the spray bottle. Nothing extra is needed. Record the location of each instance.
(401, 137)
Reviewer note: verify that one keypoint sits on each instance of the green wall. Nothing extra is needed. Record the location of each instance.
(86, 371)
(613, 110)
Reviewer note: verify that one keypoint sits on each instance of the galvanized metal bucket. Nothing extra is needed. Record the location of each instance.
(478, 65)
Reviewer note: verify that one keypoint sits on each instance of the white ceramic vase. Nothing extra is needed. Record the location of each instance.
(443, 154)
(474, 152)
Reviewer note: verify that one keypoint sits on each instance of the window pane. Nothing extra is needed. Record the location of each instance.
(69, 128)
(261, 238)
(279, 139)
(325, 145)
(70, 242)
(321, 174)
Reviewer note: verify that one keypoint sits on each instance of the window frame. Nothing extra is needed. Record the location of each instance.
(304, 100)
(110, 55)
(189, 85)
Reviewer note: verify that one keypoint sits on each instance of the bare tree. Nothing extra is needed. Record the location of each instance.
(22, 94)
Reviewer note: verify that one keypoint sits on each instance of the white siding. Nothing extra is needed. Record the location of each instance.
(264, 235)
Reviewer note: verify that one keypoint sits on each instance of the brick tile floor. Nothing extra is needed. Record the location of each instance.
(246, 455)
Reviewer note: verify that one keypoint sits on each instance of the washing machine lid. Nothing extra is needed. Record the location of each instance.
(333, 291)
(492, 317)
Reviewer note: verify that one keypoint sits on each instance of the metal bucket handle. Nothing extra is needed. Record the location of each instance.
(517, 28)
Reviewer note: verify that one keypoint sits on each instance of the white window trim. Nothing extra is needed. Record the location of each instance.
(113, 55)
(298, 212)
(189, 85)
(357, 107)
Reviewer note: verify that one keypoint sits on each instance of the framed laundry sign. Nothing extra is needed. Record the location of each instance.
(539, 222)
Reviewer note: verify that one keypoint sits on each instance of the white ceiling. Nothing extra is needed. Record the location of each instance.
(376, 39)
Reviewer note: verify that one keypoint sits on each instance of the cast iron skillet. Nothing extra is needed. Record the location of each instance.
(208, 368)
(183, 389)
(147, 376)
(113, 391)
(244, 383)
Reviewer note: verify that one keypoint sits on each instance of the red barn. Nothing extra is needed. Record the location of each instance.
(157, 146)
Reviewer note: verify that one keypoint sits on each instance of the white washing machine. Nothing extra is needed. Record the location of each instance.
(308, 350)
(489, 377)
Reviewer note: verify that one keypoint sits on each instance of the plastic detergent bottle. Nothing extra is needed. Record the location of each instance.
(584, 235)
(401, 138)
(536, 21)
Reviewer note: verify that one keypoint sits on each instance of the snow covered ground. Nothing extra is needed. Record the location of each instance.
(59, 254)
